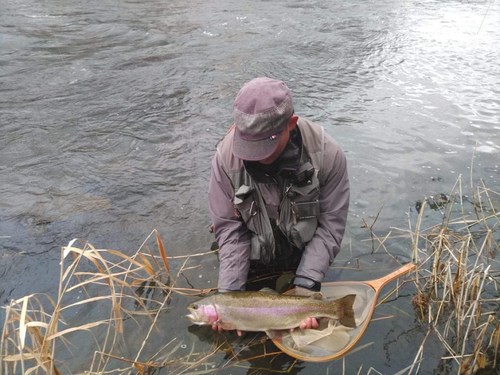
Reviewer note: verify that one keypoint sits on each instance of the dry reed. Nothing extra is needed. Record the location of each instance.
(457, 281)
(36, 337)
(456, 300)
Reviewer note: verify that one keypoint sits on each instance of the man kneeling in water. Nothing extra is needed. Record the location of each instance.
(279, 193)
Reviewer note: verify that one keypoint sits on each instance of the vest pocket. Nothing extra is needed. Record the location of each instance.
(303, 231)
(310, 189)
(305, 210)
(300, 211)
(251, 207)
(246, 205)
(256, 250)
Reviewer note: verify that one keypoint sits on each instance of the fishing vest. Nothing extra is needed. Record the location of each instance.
(299, 205)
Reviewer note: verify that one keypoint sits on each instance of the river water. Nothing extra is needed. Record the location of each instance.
(110, 112)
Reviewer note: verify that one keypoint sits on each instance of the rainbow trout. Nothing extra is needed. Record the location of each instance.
(263, 311)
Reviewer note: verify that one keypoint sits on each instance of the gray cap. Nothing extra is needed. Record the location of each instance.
(261, 112)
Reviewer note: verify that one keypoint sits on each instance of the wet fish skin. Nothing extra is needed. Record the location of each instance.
(263, 311)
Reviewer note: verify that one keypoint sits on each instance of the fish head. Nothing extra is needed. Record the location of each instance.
(202, 312)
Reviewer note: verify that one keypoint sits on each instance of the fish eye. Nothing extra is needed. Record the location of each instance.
(194, 306)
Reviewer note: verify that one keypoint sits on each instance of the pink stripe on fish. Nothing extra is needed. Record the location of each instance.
(272, 310)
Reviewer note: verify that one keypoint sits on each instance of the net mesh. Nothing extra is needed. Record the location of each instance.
(331, 337)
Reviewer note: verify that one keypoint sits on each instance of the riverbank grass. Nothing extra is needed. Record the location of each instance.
(37, 337)
(457, 281)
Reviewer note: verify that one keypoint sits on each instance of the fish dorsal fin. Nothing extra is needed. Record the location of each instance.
(268, 290)
(317, 296)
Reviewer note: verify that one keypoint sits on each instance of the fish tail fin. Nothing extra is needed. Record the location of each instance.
(346, 311)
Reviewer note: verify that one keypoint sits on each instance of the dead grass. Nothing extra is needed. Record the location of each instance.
(457, 280)
(36, 335)
(456, 300)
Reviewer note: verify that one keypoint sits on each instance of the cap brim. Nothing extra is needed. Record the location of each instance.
(255, 150)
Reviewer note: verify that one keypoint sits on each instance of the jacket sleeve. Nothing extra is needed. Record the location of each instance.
(231, 234)
(319, 253)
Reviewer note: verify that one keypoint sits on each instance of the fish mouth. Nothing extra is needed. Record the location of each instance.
(194, 320)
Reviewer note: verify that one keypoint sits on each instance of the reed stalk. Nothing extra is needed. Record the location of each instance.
(456, 280)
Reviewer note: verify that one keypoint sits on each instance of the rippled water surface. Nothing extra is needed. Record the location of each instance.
(110, 112)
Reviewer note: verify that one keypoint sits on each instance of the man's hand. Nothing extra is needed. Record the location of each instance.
(309, 322)
(215, 327)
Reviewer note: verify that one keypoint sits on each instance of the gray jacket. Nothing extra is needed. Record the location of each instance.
(234, 238)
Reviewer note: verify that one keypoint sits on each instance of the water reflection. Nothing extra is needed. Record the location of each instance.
(252, 351)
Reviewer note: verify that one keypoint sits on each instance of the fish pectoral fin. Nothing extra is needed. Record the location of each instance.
(268, 290)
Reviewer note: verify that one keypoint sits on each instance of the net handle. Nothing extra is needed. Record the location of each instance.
(383, 281)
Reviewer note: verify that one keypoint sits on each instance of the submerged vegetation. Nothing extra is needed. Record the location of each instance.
(455, 300)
